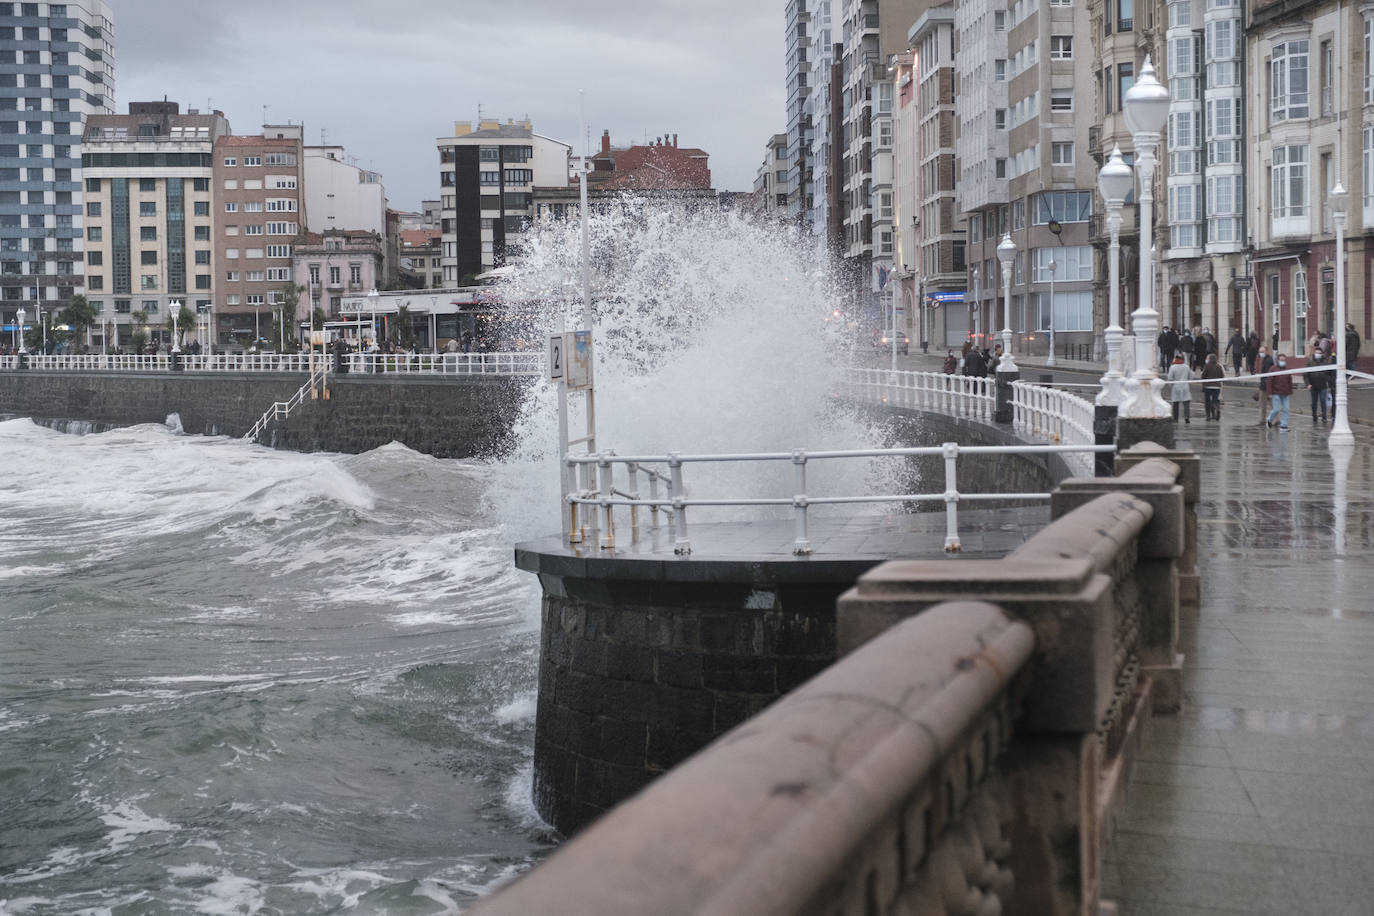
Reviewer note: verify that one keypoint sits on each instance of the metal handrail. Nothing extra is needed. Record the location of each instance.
(605, 495)
(515, 363)
(282, 409)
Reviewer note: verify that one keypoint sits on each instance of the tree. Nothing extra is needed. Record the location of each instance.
(404, 330)
(79, 315)
(284, 318)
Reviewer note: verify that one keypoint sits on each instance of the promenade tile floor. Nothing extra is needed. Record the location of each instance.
(1259, 796)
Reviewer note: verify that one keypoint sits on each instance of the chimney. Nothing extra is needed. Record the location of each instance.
(674, 141)
(605, 142)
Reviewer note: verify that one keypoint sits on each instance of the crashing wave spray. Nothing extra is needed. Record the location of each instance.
(713, 334)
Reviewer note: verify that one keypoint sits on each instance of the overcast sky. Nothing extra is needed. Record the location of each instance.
(384, 78)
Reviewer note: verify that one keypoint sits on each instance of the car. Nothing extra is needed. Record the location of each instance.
(882, 340)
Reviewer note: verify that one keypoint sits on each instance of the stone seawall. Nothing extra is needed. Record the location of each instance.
(469, 416)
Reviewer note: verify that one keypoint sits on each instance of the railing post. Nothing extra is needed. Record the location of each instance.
(653, 497)
(951, 450)
(607, 475)
(634, 494)
(802, 545)
(682, 544)
(574, 528)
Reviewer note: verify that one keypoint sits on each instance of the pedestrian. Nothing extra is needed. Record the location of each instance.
(1168, 344)
(1316, 386)
(1179, 395)
(1352, 346)
(1211, 339)
(1212, 374)
(975, 365)
(1281, 393)
(1274, 340)
(1236, 347)
(1263, 364)
(1327, 345)
(951, 363)
(1186, 343)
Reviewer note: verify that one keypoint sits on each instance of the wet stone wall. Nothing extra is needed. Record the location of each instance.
(445, 417)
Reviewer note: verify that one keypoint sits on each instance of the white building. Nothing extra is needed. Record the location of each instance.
(340, 195)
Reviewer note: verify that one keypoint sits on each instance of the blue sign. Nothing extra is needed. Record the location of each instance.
(945, 297)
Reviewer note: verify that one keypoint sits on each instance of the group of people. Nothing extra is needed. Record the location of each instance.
(975, 361)
(1192, 346)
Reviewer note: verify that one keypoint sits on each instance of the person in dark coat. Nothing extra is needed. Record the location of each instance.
(1316, 386)
(1168, 345)
(1212, 374)
(1236, 347)
(1352, 346)
(1185, 347)
(1280, 392)
(975, 364)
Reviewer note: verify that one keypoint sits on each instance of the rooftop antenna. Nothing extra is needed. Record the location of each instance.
(324, 135)
(264, 115)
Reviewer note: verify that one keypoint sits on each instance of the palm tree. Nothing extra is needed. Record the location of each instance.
(78, 315)
(404, 332)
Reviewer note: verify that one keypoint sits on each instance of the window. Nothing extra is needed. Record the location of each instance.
(1071, 262)
(1328, 62)
(281, 205)
(252, 229)
(1369, 61)
(1288, 81)
(281, 228)
(233, 277)
(147, 185)
(1061, 153)
(1368, 167)
(1125, 79)
(999, 69)
(202, 281)
(1061, 47)
(255, 299)
(283, 183)
(885, 205)
(202, 257)
(148, 281)
(999, 20)
(999, 168)
(93, 234)
(93, 185)
(252, 252)
(252, 206)
(1300, 304)
(1125, 15)
(230, 161)
(279, 159)
(148, 257)
(231, 252)
(314, 275)
(1063, 206)
(278, 273)
(93, 208)
(231, 184)
(279, 251)
(1288, 182)
(254, 276)
(1072, 310)
(202, 233)
(334, 275)
(1061, 100)
(200, 184)
(232, 299)
(999, 119)
(252, 162)
(95, 281)
(95, 258)
(230, 207)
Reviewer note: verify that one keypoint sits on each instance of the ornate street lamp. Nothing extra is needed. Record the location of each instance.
(1115, 181)
(372, 301)
(1147, 110)
(1340, 424)
(19, 319)
(1006, 254)
(175, 306)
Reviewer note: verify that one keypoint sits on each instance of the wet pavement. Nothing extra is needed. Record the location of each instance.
(1258, 798)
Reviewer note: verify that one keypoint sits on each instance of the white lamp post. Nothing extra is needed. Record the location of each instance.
(44, 328)
(175, 306)
(1006, 254)
(1340, 426)
(19, 316)
(1114, 181)
(1049, 359)
(1147, 110)
(372, 301)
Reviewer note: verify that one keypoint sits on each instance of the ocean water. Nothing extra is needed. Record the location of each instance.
(236, 680)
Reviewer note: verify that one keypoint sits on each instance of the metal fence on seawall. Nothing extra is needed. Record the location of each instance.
(528, 363)
(1038, 411)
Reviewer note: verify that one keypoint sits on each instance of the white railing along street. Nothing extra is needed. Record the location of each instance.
(604, 492)
(525, 363)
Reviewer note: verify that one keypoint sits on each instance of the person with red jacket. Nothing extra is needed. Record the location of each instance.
(1281, 391)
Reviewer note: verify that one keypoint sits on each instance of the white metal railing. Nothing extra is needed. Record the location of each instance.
(602, 491)
(280, 410)
(1057, 416)
(957, 395)
(514, 363)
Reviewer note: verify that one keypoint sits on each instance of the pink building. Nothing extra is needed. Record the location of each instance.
(335, 263)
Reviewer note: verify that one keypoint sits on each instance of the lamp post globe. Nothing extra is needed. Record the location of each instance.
(1147, 103)
(1114, 181)
(1006, 255)
(19, 320)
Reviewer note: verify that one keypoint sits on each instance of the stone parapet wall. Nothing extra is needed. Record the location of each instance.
(445, 417)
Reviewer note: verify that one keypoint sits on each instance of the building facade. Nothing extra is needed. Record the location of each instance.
(148, 215)
(340, 195)
(823, 110)
(487, 177)
(259, 211)
(329, 265)
(771, 182)
(56, 69)
(420, 263)
(797, 151)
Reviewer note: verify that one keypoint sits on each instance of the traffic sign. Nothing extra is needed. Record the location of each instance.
(1243, 282)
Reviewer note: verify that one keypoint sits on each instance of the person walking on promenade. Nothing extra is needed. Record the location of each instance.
(1281, 391)
(1263, 363)
(1316, 385)
(975, 364)
(1179, 394)
(1352, 346)
(1185, 346)
(1168, 343)
(951, 363)
(1211, 349)
(1212, 374)
(1252, 348)
(1236, 347)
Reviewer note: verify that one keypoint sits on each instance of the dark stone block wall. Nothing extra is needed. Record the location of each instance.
(464, 417)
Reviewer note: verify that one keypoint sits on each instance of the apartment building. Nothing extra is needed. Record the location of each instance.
(259, 211)
(1311, 77)
(771, 182)
(798, 183)
(824, 110)
(56, 69)
(148, 219)
(420, 264)
(339, 194)
(329, 265)
(487, 177)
